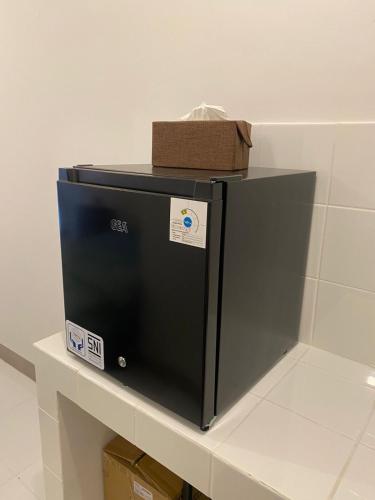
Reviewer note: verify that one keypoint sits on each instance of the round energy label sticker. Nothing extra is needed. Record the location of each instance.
(188, 222)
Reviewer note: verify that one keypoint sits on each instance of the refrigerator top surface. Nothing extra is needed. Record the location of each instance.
(196, 184)
(197, 175)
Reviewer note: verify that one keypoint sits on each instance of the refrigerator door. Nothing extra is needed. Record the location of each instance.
(138, 305)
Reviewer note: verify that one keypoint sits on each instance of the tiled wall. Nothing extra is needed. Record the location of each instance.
(339, 303)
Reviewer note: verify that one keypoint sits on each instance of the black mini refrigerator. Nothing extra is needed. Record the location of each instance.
(185, 285)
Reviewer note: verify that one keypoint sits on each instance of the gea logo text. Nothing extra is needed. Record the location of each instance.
(119, 225)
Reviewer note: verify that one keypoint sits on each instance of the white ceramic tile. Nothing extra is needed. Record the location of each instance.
(221, 428)
(5, 473)
(292, 455)
(339, 366)
(16, 490)
(256, 139)
(271, 378)
(316, 241)
(353, 177)
(56, 370)
(17, 377)
(349, 248)
(175, 451)
(107, 400)
(308, 309)
(298, 351)
(297, 146)
(53, 486)
(50, 440)
(345, 322)
(315, 394)
(83, 438)
(358, 482)
(13, 388)
(33, 479)
(19, 436)
(182, 446)
(229, 483)
(368, 437)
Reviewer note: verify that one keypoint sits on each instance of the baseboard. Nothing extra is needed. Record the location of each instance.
(18, 362)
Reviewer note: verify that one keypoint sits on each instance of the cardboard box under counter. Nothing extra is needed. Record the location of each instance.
(130, 474)
(212, 145)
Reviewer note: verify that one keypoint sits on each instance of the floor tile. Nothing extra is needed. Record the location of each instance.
(18, 377)
(5, 473)
(19, 431)
(358, 482)
(15, 490)
(368, 437)
(15, 388)
(33, 479)
(289, 453)
(335, 403)
(339, 366)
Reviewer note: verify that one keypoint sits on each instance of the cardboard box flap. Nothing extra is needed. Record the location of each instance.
(123, 450)
(244, 129)
(161, 478)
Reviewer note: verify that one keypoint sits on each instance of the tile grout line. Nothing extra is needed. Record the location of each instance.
(304, 363)
(48, 415)
(340, 377)
(366, 290)
(311, 335)
(351, 207)
(318, 424)
(28, 487)
(237, 468)
(321, 250)
(356, 445)
(52, 473)
(262, 398)
(296, 361)
(331, 170)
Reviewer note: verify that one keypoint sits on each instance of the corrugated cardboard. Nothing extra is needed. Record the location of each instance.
(213, 145)
(129, 474)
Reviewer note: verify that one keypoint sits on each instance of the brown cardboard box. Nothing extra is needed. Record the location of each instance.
(213, 145)
(130, 474)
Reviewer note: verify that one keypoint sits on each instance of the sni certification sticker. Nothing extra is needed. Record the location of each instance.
(85, 344)
(188, 222)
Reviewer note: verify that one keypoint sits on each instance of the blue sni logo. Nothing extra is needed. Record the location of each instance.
(77, 343)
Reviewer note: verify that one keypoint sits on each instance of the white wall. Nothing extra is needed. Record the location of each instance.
(339, 304)
(81, 81)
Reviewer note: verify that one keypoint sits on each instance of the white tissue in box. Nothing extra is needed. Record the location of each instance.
(206, 112)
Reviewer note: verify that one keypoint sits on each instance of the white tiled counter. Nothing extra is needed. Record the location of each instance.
(306, 431)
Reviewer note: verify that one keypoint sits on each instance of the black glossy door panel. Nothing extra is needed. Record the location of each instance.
(143, 294)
